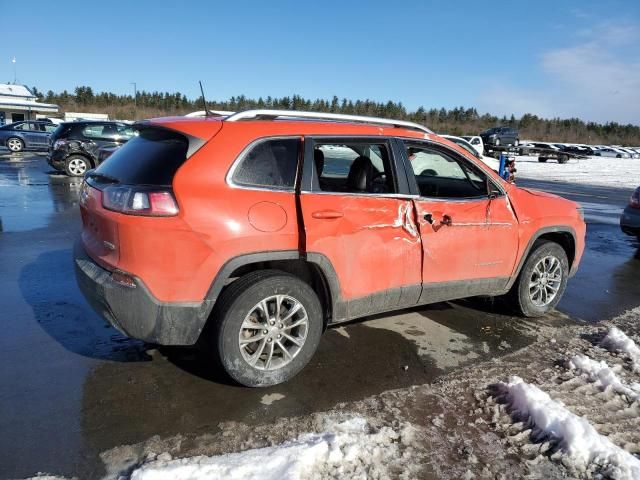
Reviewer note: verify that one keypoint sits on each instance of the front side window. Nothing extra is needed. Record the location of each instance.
(358, 167)
(443, 175)
(270, 163)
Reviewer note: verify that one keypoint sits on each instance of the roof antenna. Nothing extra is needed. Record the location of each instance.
(206, 110)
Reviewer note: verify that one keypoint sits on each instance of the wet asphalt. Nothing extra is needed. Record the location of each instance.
(72, 387)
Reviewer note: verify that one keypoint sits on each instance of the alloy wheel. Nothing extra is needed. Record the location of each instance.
(14, 144)
(273, 332)
(77, 166)
(545, 281)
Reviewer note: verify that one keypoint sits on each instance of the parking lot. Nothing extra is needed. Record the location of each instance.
(75, 388)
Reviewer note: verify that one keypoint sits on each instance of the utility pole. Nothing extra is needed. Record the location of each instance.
(135, 100)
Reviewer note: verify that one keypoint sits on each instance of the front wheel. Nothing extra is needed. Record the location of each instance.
(542, 280)
(497, 142)
(269, 325)
(15, 145)
(563, 159)
(76, 166)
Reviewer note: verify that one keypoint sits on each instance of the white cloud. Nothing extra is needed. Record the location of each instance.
(596, 79)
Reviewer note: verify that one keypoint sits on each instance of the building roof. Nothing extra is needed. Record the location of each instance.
(10, 90)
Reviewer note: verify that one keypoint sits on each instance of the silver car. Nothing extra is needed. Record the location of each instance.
(611, 152)
(630, 219)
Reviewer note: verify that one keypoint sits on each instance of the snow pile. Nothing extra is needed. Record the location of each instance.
(603, 375)
(346, 450)
(575, 436)
(617, 341)
(604, 171)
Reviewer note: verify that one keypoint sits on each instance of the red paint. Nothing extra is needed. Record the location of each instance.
(374, 243)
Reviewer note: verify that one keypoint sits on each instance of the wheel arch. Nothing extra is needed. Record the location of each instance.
(314, 269)
(563, 235)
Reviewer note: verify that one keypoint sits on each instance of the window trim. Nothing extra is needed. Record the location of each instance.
(413, 184)
(310, 181)
(247, 149)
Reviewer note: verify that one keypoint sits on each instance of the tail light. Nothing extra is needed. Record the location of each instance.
(139, 201)
(634, 201)
(58, 144)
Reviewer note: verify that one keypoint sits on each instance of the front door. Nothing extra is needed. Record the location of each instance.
(356, 217)
(469, 232)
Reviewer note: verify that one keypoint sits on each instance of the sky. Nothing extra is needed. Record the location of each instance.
(556, 58)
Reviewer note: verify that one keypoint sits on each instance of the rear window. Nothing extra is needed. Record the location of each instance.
(269, 164)
(151, 158)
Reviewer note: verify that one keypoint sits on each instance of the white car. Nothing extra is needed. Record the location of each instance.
(490, 161)
(476, 142)
(611, 152)
(632, 153)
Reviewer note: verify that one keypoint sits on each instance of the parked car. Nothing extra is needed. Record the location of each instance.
(632, 153)
(611, 152)
(73, 146)
(252, 233)
(500, 136)
(476, 142)
(28, 135)
(490, 161)
(630, 219)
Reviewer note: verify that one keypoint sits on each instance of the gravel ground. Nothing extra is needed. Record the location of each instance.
(459, 429)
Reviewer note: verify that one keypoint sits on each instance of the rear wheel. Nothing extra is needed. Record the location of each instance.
(542, 280)
(76, 166)
(15, 145)
(269, 325)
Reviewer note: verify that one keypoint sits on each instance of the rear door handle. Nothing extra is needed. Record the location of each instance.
(327, 214)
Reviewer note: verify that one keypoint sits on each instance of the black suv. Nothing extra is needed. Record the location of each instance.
(73, 147)
(500, 136)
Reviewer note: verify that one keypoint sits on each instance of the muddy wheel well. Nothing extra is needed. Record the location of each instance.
(308, 272)
(565, 240)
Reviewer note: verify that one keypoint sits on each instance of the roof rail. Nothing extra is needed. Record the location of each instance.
(337, 117)
(202, 113)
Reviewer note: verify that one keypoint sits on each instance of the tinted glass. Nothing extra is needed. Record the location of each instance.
(354, 168)
(152, 158)
(101, 131)
(269, 164)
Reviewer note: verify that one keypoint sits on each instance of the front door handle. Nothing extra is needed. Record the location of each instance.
(327, 214)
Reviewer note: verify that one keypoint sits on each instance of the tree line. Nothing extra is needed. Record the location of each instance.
(455, 121)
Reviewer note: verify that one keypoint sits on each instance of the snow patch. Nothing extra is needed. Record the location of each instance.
(604, 376)
(604, 171)
(270, 398)
(617, 341)
(349, 449)
(575, 436)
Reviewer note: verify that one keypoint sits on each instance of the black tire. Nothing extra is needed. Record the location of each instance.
(519, 297)
(618, 156)
(563, 159)
(237, 301)
(76, 165)
(542, 159)
(497, 142)
(15, 144)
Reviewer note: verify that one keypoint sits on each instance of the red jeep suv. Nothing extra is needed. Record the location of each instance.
(259, 229)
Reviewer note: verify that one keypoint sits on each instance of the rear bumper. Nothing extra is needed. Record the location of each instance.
(56, 159)
(133, 310)
(630, 221)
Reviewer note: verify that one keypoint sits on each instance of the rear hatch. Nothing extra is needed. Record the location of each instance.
(134, 182)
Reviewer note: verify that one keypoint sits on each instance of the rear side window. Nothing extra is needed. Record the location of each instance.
(269, 164)
(151, 158)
